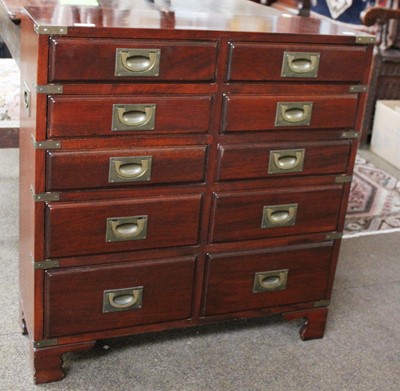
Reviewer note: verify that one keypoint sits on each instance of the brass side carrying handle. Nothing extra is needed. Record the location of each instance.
(126, 228)
(270, 281)
(289, 160)
(279, 215)
(27, 97)
(130, 169)
(137, 62)
(300, 64)
(293, 113)
(133, 117)
(122, 299)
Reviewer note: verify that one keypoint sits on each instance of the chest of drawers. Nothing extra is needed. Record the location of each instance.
(187, 166)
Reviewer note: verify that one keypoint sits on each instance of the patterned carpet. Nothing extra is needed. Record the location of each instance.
(9, 92)
(374, 203)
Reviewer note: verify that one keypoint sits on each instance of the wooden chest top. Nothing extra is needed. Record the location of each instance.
(204, 17)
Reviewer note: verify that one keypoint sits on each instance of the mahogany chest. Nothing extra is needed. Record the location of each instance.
(181, 164)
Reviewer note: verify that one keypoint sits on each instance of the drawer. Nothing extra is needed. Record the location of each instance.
(263, 112)
(83, 60)
(94, 298)
(106, 226)
(265, 214)
(77, 116)
(104, 168)
(258, 62)
(253, 161)
(261, 279)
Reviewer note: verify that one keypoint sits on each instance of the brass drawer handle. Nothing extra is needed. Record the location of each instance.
(289, 160)
(126, 228)
(122, 299)
(137, 62)
(293, 113)
(130, 169)
(300, 64)
(133, 117)
(270, 281)
(279, 215)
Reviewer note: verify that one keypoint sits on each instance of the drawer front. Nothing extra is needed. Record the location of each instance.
(265, 160)
(131, 60)
(296, 62)
(77, 116)
(145, 166)
(87, 299)
(260, 215)
(109, 226)
(258, 112)
(248, 281)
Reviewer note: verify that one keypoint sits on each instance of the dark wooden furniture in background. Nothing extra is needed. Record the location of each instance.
(303, 7)
(385, 79)
(177, 171)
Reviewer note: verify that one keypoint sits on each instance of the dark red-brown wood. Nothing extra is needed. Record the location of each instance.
(258, 113)
(47, 362)
(75, 116)
(252, 161)
(230, 278)
(74, 296)
(87, 169)
(95, 60)
(238, 216)
(315, 322)
(210, 144)
(80, 228)
(336, 63)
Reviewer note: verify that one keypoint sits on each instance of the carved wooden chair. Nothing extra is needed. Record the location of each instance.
(385, 78)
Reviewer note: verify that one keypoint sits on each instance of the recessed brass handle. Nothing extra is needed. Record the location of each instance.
(293, 113)
(133, 117)
(137, 62)
(130, 169)
(126, 228)
(279, 215)
(270, 281)
(300, 64)
(289, 160)
(122, 299)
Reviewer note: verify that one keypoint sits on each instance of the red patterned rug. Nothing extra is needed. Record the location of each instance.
(374, 203)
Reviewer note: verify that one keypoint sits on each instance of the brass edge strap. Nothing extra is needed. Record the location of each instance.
(350, 134)
(44, 197)
(365, 40)
(47, 264)
(44, 343)
(47, 144)
(50, 30)
(52, 89)
(358, 88)
(334, 235)
(343, 179)
(322, 303)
